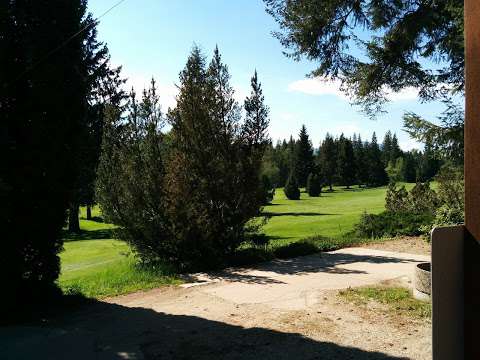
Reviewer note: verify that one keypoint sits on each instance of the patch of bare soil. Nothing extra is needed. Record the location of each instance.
(406, 244)
(333, 328)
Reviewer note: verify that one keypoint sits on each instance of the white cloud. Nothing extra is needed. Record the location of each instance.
(324, 86)
(318, 86)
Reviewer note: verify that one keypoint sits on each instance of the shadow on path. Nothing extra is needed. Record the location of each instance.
(110, 331)
(332, 263)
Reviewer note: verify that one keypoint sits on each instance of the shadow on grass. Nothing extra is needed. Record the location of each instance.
(97, 219)
(107, 330)
(272, 214)
(88, 235)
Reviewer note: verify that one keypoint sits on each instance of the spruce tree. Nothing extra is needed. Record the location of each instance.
(291, 190)
(395, 151)
(213, 172)
(103, 86)
(131, 173)
(43, 102)
(386, 148)
(328, 160)
(345, 162)
(303, 162)
(359, 152)
(376, 171)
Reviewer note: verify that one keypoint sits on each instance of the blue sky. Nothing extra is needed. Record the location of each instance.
(154, 37)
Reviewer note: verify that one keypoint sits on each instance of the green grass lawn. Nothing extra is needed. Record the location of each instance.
(97, 265)
(332, 215)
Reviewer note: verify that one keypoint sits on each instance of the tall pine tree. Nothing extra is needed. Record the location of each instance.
(327, 160)
(376, 170)
(303, 161)
(345, 162)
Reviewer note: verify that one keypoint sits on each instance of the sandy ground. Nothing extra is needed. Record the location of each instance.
(279, 310)
(405, 244)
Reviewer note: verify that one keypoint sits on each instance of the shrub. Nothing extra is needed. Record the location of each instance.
(396, 200)
(314, 185)
(291, 190)
(422, 199)
(389, 224)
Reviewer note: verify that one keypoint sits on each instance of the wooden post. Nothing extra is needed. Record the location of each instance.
(472, 179)
(472, 117)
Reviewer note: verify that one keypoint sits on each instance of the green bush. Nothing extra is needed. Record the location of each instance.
(396, 200)
(291, 190)
(314, 185)
(389, 224)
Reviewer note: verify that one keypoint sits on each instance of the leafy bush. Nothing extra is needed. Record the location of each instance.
(314, 185)
(389, 224)
(291, 190)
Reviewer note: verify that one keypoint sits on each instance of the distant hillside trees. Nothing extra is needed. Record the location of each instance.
(351, 161)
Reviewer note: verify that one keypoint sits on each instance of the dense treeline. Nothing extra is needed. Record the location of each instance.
(347, 161)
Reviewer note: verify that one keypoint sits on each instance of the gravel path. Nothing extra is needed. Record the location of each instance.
(279, 310)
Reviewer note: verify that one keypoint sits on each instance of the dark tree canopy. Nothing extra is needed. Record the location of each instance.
(43, 105)
(410, 44)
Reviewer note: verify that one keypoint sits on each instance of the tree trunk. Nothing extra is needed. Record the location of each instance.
(73, 222)
(331, 188)
(89, 212)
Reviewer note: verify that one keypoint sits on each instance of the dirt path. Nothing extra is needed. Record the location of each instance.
(404, 244)
(279, 310)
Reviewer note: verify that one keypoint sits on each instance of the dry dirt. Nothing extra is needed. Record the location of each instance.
(405, 244)
(280, 310)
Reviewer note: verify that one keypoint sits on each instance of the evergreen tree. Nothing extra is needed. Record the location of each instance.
(376, 171)
(359, 152)
(103, 86)
(303, 161)
(345, 162)
(42, 97)
(428, 165)
(328, 160)
(314, 185)
(395, 151)
(410, 167)
(212, 176)
(387, 148)
(131, 173)
(291, 190)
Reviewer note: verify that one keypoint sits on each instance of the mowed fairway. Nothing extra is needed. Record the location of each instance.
(331, 215)
(97, 265)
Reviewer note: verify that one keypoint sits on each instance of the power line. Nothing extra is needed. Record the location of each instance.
(50, 53)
